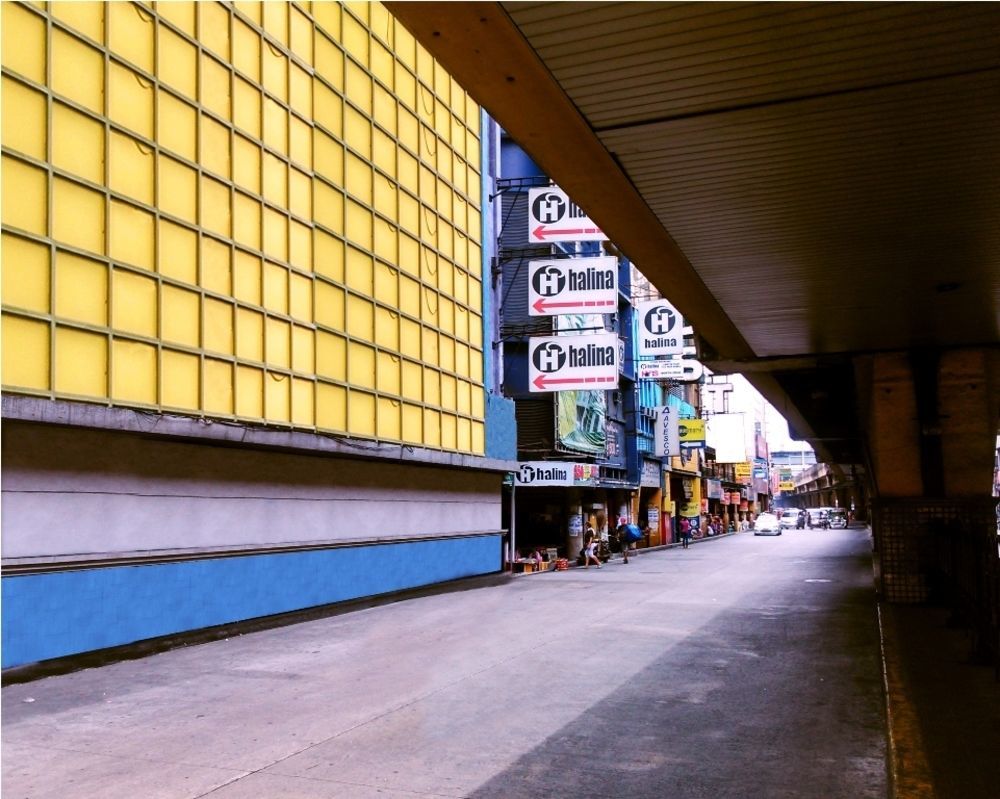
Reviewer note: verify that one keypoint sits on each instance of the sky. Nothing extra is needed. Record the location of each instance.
(744, 398)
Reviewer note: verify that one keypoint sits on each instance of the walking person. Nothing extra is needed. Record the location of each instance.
(685, 533)
(623, 542)
(628, 535)
(589, 542)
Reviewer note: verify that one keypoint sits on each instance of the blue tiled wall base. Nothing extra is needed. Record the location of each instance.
(65, 613)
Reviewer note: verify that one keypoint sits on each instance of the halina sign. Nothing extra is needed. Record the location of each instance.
(661, 329)
(555, 473)
(552, 216)
(562, 363)
(573, 286)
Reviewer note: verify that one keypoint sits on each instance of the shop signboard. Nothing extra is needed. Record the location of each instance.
(688, 461)
(661, 329)
(650, 477)
(653, 517)
(664, 369)
(786, 485)
(680, 370)
(743, 472)
(582, 422)
(564, 363)
(691, 433)
(573, 286)
(691, 510)
(552, 216)
(713, 488)
(666, 440)
(555, 473)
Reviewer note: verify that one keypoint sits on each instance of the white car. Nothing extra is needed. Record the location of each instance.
(789, 518)
(767, 524)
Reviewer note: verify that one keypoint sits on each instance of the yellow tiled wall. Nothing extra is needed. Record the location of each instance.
(258, 211)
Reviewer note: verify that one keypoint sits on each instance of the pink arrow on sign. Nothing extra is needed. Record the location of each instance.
(542, 382)
(541, 232)
(541, 305)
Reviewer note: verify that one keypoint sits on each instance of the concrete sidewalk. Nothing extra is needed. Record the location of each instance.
(747, 668)
(943, 709)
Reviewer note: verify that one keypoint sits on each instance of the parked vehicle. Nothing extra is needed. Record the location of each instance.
(767, 524)
(837, 519)
(789, 518)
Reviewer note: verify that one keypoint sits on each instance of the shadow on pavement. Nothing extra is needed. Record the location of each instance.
(771, 701)
(945, 708)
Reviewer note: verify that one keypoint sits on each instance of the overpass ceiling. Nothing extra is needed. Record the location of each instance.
(806, 182)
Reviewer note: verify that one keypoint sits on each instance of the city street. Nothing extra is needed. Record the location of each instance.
(741, 667)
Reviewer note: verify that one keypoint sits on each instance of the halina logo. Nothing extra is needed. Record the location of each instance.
(660, 320)
(548, 281)
(548, 207)
(549, 358)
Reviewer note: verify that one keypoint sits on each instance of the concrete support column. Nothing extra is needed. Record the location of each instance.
(932, 432)
(969, 406)
(893, 437)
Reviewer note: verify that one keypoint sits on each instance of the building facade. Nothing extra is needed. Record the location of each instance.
(586, 457)
(245, 325)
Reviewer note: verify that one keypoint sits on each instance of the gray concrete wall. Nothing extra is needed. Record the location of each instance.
(71, 492)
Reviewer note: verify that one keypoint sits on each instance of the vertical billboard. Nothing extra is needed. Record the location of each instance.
(666, 439)
(727, 434)
(581, 413)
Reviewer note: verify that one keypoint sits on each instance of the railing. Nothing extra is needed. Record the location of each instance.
(943, 551)
(969, 561)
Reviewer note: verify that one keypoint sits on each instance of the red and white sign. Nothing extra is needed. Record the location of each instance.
(671, 369)
(567, 363)
(573, 286)
(552, 216)
(680, 370)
